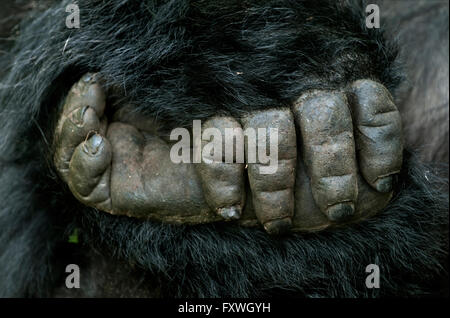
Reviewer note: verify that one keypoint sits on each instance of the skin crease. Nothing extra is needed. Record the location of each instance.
(111, 165)
(251, 262)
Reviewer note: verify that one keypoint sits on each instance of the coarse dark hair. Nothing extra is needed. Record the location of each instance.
(181, 60)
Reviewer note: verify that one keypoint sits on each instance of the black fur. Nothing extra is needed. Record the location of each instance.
(408, 241)
(184, 60)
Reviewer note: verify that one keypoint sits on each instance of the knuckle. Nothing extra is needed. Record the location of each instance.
(322, 113)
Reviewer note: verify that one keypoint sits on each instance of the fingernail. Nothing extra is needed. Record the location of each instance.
(92, 145)
(384, 185)
(340, 212)
(232, 213)
(78, 116)
(277, 227)
(89, 77)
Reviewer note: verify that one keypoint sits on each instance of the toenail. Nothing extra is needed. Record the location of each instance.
(232, 213)
(279, 226)
(384, 184)
(78, 116)
(341, 211)
(87, 78)
(93, 144)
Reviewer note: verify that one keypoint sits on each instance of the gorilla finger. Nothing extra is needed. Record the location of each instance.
(75, 129)
(89, 172)
(329, 151)
(272, 179)
(222, 179)
(378, 134)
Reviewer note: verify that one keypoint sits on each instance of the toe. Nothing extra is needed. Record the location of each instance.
(328, 147)
(81, 114)
(378, 134)
(89, 172)
(221, 170)
(272, 179)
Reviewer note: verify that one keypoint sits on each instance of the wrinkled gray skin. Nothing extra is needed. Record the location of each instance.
(424, 48)
(121, 165)
(421, 28)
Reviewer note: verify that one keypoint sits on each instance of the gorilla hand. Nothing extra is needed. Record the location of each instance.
(124, 167)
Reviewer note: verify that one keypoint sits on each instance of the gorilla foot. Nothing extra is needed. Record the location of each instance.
(351, 142)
